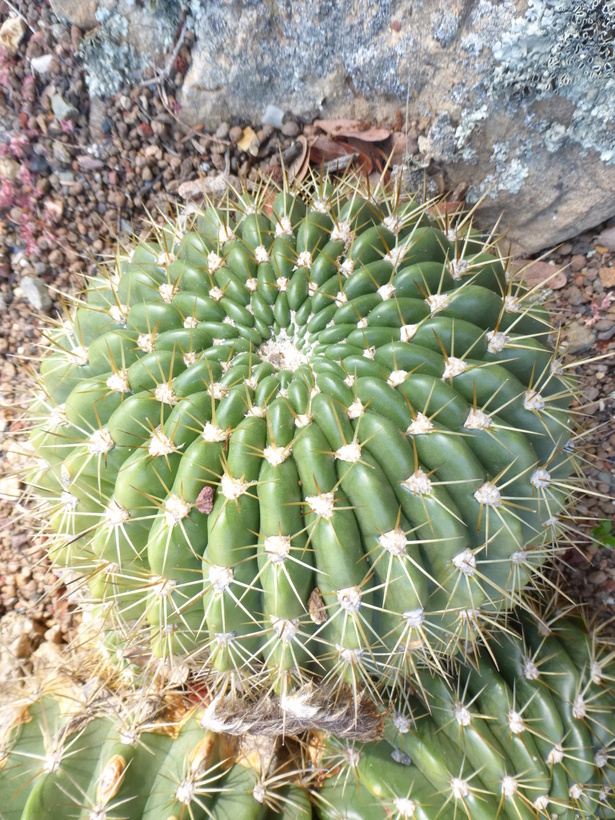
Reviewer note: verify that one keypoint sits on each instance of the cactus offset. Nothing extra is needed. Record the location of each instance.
(333, 441)
(532, 740)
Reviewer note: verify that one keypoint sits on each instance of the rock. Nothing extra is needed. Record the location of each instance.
(36, 293)
(8, 168)
(129, 37)
(97, 116)
(273, 116)
(61, 109)
(42, 64)
(579, 338)
(81, 13)
(542, 274)
(11, 34)
(575, 296)
(607, 277)
(216, 186)
(577, 262)
(607, 238)
(530, 133)
(291, 129)
(61, 153)
(89, 163)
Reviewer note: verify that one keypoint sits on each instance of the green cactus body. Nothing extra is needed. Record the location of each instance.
(337, 403)
(485, 743)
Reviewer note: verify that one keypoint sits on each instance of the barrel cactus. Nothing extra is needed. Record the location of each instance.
(524, 733)
(310, 435)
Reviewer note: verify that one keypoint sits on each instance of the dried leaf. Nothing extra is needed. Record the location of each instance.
(353, 128)
(539, 274)
(447, 207)
(249, 142)
(316, 607)
(324, 150)
(399, 144)
(205, 500)
(299, 166)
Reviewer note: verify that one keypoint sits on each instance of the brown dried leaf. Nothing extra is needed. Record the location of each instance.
(316, 607)
(539, 274)
(205, 500)
(299, 166)
(399, 144)
(353, 128)
(324, 150)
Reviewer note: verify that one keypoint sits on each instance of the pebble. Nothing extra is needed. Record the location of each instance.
(61, 153)
(273, 116)
(607, 238)
(63, 110)
(11, 34)
(235, 134)
(291, 129)
(42, 64)
(579, 337)
(577, 262)
(575, 295)
(36, 293)
(222, 131)
(607, 277)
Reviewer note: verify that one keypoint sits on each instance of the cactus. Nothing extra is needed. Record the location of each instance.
(319, 436)
(534, 738)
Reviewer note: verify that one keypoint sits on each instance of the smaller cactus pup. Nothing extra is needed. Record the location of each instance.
(311, 434)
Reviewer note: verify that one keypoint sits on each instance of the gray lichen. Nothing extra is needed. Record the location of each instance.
(564, 47)
(110, 64)
(114, 56)
(444, 28)
(509, 177)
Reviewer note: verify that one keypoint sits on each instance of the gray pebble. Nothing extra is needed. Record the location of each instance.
(61, 109)
(222, 130)
(579, 337)
(291, 129)
(61, 153)
(36, 293)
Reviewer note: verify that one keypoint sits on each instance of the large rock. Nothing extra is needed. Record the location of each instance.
(123, 38)
(514, 98)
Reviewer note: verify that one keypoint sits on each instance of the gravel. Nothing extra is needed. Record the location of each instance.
(79, 175)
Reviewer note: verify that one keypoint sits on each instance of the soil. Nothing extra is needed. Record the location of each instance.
(79, 175)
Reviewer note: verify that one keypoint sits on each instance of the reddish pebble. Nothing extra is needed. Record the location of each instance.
(396, 25)
(145, 129)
